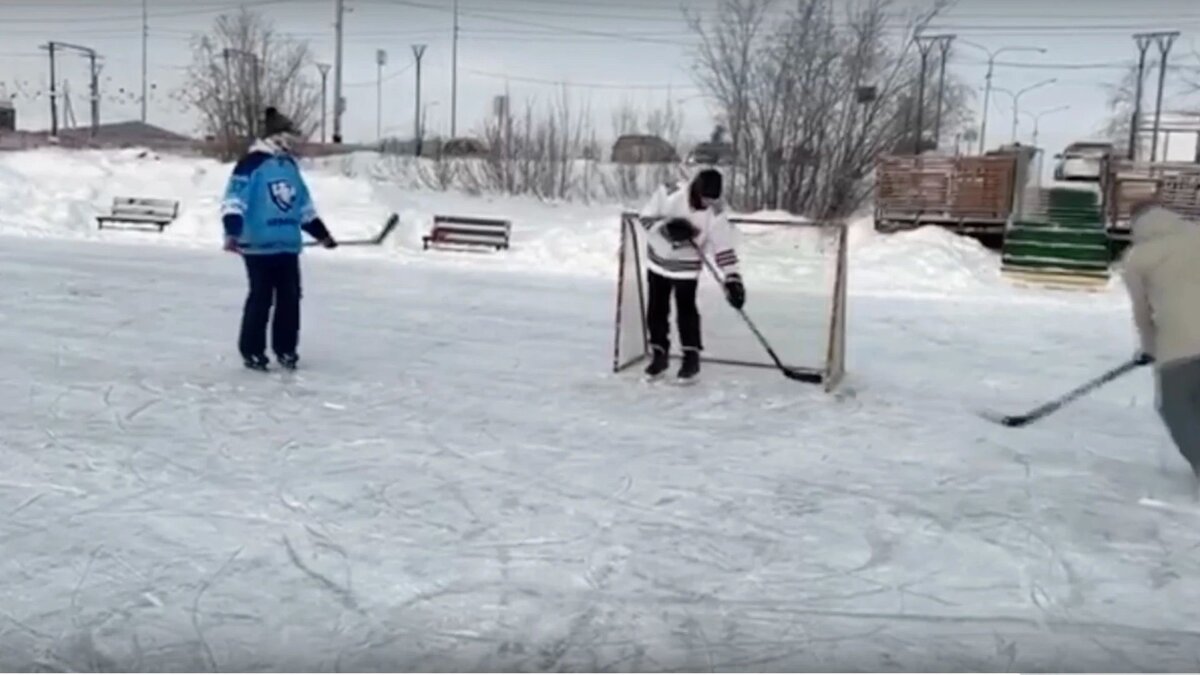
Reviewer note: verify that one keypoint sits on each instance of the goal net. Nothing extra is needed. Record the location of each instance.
(795, 276)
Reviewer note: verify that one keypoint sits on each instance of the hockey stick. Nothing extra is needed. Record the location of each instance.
(392, 221)
(1047, 408)
(790, 373)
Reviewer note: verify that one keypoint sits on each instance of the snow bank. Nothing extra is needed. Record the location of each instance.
(59, 192)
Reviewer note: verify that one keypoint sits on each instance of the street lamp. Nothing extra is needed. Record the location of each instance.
(987, 91)
(1017, 101)
(1037, 118)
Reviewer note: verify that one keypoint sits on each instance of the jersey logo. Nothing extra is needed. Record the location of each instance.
(283, 194)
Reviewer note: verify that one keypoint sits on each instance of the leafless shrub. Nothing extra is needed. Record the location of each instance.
(238, 69)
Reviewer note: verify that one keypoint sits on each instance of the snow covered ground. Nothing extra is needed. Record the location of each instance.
(455, 481)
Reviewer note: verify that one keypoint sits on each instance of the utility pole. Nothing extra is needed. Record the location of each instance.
(94, 90)
(925, 43)
(944, 45)
(418, 52)
(145, 46)
(338, 102)
(1143, 45)
(1164, 41)
(380, 61)
(454, 78)
(94, 87)
(324, 68)
(53, 93)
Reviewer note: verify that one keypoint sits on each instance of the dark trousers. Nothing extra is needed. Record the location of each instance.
(1179, 405)
(274, 280)
(658, 312)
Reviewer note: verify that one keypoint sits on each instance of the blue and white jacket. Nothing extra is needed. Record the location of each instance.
(267, 205)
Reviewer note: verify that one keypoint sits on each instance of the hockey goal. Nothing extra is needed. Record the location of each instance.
(795, 276)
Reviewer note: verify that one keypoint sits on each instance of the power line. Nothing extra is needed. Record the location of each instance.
(583, 85)
(533, 24)
(371, 83)
(59, 20)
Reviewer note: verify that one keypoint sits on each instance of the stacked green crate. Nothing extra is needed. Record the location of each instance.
(1064, 238)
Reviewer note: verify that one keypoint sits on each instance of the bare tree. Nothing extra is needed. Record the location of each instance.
(242, 66)
(1121, 95)
(540, 153)
(787, 84)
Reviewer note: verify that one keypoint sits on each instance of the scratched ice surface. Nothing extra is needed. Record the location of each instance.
(454, 482)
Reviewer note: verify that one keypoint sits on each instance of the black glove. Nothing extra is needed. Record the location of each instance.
(1143, 359)
(735, 292)
(679, 229)
(329, 242)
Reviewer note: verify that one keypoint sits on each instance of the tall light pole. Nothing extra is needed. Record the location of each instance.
(987, 91)
(1143, 44)
(145, 48)
(380, 62)
(418, 52)
(925, 43)
(1037, 118)
(1165, 41)
(338, 13)
(1016, 97)
(454, 77)
(324, 68)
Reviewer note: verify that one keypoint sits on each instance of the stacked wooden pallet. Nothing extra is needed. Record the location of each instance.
(1060, 241)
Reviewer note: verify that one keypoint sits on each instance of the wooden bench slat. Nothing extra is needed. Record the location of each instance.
(469, 231)
(141, 210)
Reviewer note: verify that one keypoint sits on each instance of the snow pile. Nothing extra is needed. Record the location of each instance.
(58, 192)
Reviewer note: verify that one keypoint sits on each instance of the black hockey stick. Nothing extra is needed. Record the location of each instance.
(790, 373)
(1047, 408)
(392, 221)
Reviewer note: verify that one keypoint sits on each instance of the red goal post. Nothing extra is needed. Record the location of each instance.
(802, 314)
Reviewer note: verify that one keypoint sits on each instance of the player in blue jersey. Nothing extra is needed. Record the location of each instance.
(265, 209)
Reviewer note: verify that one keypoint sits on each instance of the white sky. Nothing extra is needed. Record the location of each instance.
(610, 50)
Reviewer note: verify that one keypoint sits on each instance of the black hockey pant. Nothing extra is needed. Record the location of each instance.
(658, 312)
(274, 280)
(1179, 405)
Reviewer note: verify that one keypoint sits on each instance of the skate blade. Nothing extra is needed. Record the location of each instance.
(685, 381)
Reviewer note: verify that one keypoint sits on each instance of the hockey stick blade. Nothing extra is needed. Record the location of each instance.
(811, 378)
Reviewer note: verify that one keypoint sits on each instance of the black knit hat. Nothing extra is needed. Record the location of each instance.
(709, 183)
(275, 122)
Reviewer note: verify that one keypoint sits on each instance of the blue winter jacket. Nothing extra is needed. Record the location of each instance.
(267, 204)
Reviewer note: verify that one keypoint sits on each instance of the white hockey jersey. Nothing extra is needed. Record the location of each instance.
(680, 260)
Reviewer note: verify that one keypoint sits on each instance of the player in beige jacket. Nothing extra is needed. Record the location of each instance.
(1162, 274)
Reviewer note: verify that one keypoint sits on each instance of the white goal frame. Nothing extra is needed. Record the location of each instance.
(829, 374)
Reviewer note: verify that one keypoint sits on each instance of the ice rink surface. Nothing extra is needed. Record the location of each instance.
(454, 481)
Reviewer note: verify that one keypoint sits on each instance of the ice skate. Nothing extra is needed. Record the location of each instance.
(689, 372)
(659, 362)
